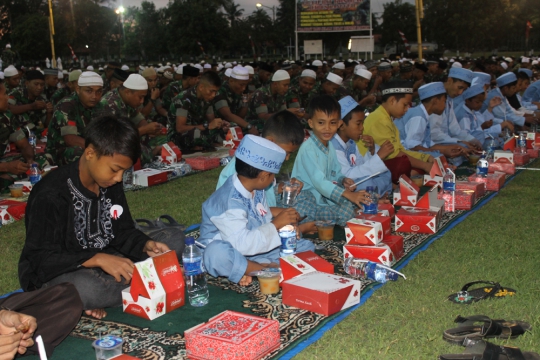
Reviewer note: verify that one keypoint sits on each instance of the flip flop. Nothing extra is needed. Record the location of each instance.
(169, 223)
(145, 225)
(482, 350)
(479, 327)
(494, 290)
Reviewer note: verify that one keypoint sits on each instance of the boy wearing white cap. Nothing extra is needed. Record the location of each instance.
(124, 102)
(299, 96)
(65, 138)
(239, 229)
(192, 124)
(269, 99)
(229, 101)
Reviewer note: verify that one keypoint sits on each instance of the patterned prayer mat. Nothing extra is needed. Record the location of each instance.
(163, 338)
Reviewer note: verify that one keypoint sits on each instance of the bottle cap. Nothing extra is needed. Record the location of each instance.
(369, 188)
(189, 241)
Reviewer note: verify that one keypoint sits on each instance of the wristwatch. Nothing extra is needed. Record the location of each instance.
(205, 124)
(249, 126)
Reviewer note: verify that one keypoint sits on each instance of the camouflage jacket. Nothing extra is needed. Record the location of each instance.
(226, 98)
(49, 92)
(187, 105)
(296, 99)
(33, 118)
(172, 90)
(9, 131)
(106, 83)
(70, 117)
(257, 83)
(355, 93)
(112, 104)
(429, 78)
(59, 95)
(340, 93)
(263, 102)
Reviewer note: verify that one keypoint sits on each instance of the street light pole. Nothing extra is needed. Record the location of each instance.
(273, 8)
(120, 11)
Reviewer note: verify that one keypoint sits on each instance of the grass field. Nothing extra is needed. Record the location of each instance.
(403, 320)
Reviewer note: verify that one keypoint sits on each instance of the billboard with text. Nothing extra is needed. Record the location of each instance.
(333, 15)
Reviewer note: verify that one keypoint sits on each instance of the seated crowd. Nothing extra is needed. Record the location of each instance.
(370, 119)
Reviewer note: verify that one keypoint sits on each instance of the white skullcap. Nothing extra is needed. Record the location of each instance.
(90, 78)
(525, 60)
(363, 73)
(317, 63)
(336, 79)
(309, 73)
(234, 63)
(508, 59)
(180, 69)
(281, 75)
(324, 62)
(228, 72)
(125, 68)
(8, 46)
(60, 74)
(457, 65)
(219, 67)
(135, 82)
(228, 65)
(504, 65)
(535, 62)
(198, 66)
(240, 73)
(251, 70)
(207, 66)
(360, 66)
(339, 65)
(10, 71)
(452, 60)
(90, 68)
(168, 64)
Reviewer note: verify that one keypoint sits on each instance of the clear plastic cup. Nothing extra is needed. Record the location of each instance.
(290, 192)
(325, 228)
(108, 347)
(269, 280)
(16, 190)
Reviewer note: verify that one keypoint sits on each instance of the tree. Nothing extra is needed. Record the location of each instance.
(232, 11)
(144, 31)
(31, 35)
(398, 16)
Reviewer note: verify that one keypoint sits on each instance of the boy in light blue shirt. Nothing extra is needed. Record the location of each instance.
(238, 228)
(327, 193)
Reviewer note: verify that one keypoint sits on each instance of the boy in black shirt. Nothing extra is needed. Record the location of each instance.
(78, 225)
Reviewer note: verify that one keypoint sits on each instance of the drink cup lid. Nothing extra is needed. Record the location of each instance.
(108, 342)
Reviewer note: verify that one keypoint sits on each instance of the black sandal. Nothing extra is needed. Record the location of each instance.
(480, 327)
(170, 223)
(466, 296)
(482, 350)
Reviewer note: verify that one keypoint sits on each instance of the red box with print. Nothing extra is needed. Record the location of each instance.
(478, 188)
(385, 221)
(493, 182)
(303, 263)
(386, 253)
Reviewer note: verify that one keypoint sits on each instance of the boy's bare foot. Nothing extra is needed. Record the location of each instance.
(97, 313)
(245, 280)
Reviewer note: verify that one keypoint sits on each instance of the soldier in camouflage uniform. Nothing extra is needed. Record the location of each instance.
(299, 96)
(262, 77)
(332, 86)
(68, 89)
(192, 124)
(432, 73)
(123, 102)
(152, 107)
(190, 78)
(51, 83)
(29, 104)
(269, 99)
(231, 103)
(8, 56)
(108, 74)
(13, 78)
(65, 138)
(357, 87)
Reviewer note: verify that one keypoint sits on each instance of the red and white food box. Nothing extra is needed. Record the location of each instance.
(502, 165)
(150, 177)
(430, 200)
(233, 138)
(435, 176)
(27, 185)
(203, 162)
(15, 209)
(493, 182)
(510, 144)
(416, 220)
(170, 153)
(363, 232)
(232, 335)
(5, 216)
(387, 210)
(386, 253)
(321, 293)
(303, 263)
(478, 188)
(533, 153)
(531, 139)
(408, 192)
(157, 287)
(501, 154)
(464, 200)
(521, 159)
(385, 221)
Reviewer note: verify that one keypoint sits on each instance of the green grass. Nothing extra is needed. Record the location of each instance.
(403, 320)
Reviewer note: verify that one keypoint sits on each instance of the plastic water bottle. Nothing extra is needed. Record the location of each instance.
(449, 190)
(32, 140)
(35, 174)
(194, 274)
(482, 166)
(491, 146)
(521, 143)
(367, 270)
(373, 207)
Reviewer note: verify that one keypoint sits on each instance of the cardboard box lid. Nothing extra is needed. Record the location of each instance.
(510, 144)
(170, 149)
(439, 167)
(323, 282)
(430, 200)
(305, 262)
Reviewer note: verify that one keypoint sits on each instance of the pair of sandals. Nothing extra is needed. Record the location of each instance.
(472, 332)
(161, 223)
